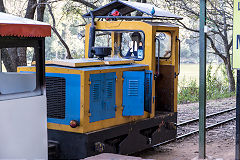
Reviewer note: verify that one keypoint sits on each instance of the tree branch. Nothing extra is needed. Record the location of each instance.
(86, 3)
(190, 29)
(215, 48)
(69, 56)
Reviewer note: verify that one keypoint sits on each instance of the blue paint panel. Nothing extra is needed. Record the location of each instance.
(148, 91)
(73, 90)
(133, 93)
(102, 96)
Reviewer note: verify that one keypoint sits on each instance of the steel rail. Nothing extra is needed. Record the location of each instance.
(208, 127)
(208, 116)
(196, 131)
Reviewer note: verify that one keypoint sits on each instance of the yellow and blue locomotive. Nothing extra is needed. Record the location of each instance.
(122, 97)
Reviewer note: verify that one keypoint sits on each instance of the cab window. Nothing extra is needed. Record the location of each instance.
(103, 39)
(11, 81)
(163, 45)
(132, 45)
(125, 44)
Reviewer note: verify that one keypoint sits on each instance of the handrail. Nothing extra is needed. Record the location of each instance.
(158, 66)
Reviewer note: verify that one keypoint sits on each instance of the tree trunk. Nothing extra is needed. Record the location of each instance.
(14, 57)
(8, 59)
(22, 56)
(22, 52)
(231, 80)
(12, 52)
(2, 8)
(31, 9)
(4, 55)
(40, 10)
(40, 17)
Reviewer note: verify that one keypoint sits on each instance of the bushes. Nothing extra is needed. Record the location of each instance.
(217, 86)
(188, 91)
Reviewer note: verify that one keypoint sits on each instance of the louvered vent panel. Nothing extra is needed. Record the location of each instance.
(102, 96)
(133, 88)
(147, 86)
(96, 90)
(148, 92)
(109, 89)
(56, 97)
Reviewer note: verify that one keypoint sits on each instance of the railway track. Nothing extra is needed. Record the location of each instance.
(186, 130)
(208, 116)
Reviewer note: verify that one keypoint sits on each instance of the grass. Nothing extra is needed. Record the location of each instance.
(216, 81)
(191, 72)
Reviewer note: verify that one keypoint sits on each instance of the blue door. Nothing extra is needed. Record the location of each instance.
(109, 95)
(96, 97)
(133, 93)
(102, 96)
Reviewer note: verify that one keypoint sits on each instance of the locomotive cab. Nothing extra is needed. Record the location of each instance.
(155, 44)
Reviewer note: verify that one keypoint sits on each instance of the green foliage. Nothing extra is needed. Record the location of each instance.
(72, 9)
(67, 15)
(217, 86)
(188, 94)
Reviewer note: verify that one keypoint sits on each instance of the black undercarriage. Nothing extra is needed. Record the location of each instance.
(122, 139)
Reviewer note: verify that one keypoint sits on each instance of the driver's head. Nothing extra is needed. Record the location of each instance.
(136, 36)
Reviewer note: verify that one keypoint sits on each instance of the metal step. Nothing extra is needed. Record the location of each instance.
(53, 149)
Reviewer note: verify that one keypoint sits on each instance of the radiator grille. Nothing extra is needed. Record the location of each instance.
(56, 97)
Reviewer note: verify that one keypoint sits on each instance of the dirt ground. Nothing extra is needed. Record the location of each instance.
(220, 140)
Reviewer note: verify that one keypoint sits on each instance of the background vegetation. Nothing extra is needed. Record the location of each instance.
(70, 26)
(217, 84)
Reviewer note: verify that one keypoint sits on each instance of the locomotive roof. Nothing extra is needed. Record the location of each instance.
(127, 7)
